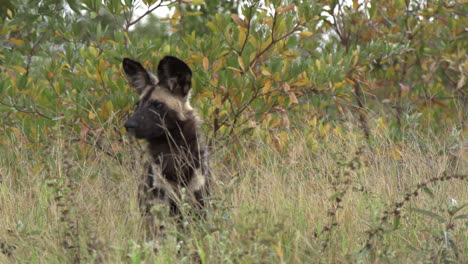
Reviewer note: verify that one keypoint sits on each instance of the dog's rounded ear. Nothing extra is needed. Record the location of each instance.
(175, 75)
(137, 75)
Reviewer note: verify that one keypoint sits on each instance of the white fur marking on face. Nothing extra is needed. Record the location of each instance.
(180, 105)
(153, 78)
(145, 91)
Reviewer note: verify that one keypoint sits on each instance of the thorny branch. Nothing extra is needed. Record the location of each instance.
(396, 209)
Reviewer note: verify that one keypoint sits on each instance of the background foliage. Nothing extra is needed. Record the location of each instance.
(401, 61)
(387, 73)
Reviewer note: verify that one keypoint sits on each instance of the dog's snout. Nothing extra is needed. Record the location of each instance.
(131, 124)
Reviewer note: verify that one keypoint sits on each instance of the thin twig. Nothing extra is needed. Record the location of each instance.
(248, 27)
(23, 109)
(149, 11)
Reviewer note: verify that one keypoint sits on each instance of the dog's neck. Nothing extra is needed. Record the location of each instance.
(181, 139)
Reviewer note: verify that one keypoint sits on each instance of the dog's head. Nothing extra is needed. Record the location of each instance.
(163, 103)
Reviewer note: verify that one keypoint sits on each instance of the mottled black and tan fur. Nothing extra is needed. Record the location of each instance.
(165, 119)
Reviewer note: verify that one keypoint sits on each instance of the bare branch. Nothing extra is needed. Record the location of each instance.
(149, 11)
(24, 109)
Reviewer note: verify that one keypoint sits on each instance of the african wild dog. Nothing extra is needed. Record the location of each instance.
(165, 119)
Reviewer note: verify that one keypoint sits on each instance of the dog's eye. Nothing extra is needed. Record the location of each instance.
(157, 105)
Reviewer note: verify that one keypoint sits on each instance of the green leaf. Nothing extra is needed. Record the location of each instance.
(428, 191)
(465, 216)
(74, 6)
(129, 3)
(429, 213)
(335, 195)
(35, 233)
(456, 210)
(58, 118)
(396, 222)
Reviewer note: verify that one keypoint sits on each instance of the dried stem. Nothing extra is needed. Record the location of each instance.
(396, 209)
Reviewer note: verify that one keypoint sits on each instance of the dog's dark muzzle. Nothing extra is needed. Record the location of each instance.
(131, 125)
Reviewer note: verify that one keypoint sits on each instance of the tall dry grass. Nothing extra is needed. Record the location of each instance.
(313, 201)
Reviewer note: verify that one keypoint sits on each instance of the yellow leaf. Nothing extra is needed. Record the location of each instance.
(265, 71)
(206, 63)
(50, 75)
(279, 251)
(317, 63)
(167, 49)
(424, 66)
(254, 42)
(282, 25)
(110, 106)
(242, 36)
(324, 130)
(176, 15)
(104, 39)
(38, 168)
(339, 84)
(93, 51)
(217, 65)
(18, 42)
(238, 20)
(281, 100)
(195, 13)
(278, 140)
(461, 82)
(381, 122)
(267, 86)
(355, 60)
(313, 122)
(396, 154)
(214, 82)
(58, 33)
(19, 69)
(218, 19)
(56, 87)
(104, 112)
(306, 33)
(234, 69)
(299, 83)
(293, 98)
(197, 2)
(241, 63)
(283, 136)
(340, 108)
(211, 26)
(275, 122)
(223, 53)
(286, 122)
(338, 131)
(91, 115)
(217, 101)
